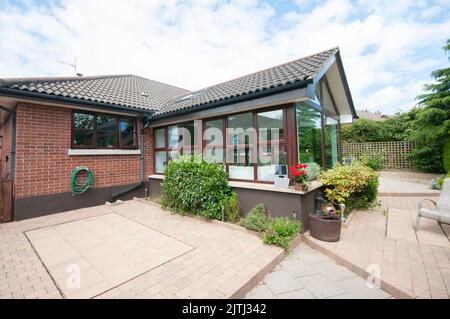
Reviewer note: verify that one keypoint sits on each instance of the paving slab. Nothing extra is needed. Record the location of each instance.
(134, 249)
(406, 268)
(399, 225)
(104, 266)
(295, 278)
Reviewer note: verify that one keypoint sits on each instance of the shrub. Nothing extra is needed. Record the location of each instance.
(374, 161)
(447, 156)
(281, 231)
(231, 207)
(192, 185)
(354, 185)
(438, 182)
(256, 219)
(313, 170)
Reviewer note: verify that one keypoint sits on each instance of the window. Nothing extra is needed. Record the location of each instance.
(309, 134)
(173, 141)
(253, 145)
(241, 141)
(127, 129)
(91, 130)
(160, 150)
(83, 129)
(213, 138)
(271, 145)
(106, 131)
(331, 141)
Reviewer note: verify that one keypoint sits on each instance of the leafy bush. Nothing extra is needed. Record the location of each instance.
(192, 185)
(313, 170)
(354, 185)
(374, 161)
(256, 219)
(447, 156)
(438, 182)
(281, 231)
(231, 207)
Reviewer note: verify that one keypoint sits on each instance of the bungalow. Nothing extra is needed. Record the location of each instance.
(126, 128)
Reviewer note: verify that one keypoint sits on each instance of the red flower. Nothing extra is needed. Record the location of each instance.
(299, 166)
(294, 171)
(305, 166)
(302, 172)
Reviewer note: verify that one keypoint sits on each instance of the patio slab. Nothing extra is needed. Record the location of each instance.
(319, 277)
(133, 249)
(119, 250)
(406, 267)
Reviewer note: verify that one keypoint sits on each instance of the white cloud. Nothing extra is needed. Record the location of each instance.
(388, 50)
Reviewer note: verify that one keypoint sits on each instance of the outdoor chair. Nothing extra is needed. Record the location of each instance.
(441, 210)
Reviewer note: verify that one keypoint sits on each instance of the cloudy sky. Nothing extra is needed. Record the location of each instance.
(388, 47)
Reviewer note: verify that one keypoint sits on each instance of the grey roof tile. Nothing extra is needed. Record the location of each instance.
(122, 90)
(143, 94)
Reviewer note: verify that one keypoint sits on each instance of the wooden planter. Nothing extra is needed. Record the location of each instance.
(325, 227)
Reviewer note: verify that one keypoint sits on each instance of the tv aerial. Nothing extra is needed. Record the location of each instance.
(72, 65)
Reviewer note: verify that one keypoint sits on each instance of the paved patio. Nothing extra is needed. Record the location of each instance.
(131, 250)
(411, 265)
(409, 184)
(308, 274)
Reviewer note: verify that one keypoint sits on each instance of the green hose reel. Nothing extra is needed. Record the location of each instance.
(76, 187)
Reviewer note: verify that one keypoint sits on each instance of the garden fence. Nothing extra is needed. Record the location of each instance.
(395, 154)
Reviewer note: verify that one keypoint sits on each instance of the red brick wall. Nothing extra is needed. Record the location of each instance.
(5, 151)
(43, 137)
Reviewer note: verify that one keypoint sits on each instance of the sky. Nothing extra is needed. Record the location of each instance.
(388, 48)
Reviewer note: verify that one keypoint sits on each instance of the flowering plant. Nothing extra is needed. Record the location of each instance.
(299, 173)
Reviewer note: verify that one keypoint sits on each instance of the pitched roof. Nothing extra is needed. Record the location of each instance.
(138, 93)
(123, 90)
(295, 71)
(375, 116)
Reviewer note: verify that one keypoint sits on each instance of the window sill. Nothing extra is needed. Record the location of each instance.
(258, 186)
(84, 152)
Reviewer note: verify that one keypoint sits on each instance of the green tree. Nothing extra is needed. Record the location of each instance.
(432, 125)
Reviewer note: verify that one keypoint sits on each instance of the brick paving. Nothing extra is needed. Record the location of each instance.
(308, 274)
(201, 259)
(409, 268)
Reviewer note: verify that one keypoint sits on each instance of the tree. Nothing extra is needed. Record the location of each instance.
(432, 125)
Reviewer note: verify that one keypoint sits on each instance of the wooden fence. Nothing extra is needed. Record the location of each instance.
(395, 154)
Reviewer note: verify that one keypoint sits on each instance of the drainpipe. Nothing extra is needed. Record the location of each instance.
(142, 153)
(141, 173)
(13, 145)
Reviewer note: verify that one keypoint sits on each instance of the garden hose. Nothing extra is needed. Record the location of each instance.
(76, 187)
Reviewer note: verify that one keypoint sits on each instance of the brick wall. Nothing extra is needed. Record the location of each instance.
(43, 137)
(5, 151)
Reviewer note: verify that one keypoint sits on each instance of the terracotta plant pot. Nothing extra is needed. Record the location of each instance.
(299, 187)
(325, 227)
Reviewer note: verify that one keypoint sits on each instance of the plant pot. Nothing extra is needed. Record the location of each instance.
(325, 227)
(299, 187)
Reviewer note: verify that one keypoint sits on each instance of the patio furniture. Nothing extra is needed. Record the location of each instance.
(441, 211)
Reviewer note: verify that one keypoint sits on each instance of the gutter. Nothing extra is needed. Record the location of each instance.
(237, 99)
(72, 101)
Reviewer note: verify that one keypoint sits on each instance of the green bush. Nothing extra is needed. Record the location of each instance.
(231, 207)
(354, 185)
(194, 186)
(281, 231)
(256, 219)
(374, 161)
(447, 156)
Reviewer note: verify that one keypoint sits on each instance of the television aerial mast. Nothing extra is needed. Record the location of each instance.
(72, 65)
